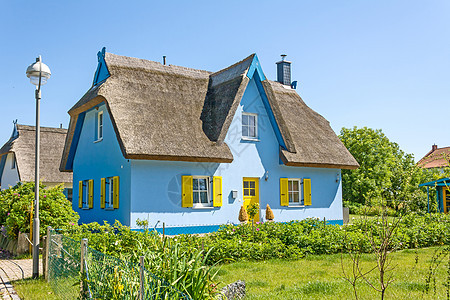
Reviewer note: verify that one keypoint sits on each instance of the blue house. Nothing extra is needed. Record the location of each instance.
(189, 147)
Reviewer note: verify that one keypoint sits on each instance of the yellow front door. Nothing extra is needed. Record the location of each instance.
(251, 194)
(446, 199)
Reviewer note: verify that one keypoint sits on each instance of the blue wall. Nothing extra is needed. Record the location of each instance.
(100, 159)
(156, 185)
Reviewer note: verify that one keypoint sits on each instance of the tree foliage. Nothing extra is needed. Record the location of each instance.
(387, 175)
(16, 204)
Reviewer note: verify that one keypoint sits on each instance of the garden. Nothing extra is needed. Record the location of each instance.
(391, 249)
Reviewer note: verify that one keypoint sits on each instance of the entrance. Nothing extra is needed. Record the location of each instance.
(446, 199)
(251, 194)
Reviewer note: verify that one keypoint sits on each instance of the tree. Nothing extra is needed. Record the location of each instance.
(16, 205)
(386, 173)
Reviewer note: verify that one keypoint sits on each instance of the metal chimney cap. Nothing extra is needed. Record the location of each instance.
(283, 57)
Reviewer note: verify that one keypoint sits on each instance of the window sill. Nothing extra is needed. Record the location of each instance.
(297, 206)
(85, 208)
(250, 139)
(202, 207)
(98, 141)
(109, 208)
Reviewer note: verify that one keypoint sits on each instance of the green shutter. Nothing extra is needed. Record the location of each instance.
(217, 191)
(116, 192)
(187, 197)
(284, 192)
(102, 192)
(307, 191)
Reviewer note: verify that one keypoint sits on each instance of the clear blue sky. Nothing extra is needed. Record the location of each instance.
(380, 64)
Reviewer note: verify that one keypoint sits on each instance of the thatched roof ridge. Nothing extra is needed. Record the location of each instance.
(52, 145)
(316, 144)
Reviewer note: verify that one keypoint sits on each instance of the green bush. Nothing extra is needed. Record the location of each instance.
(16, 205)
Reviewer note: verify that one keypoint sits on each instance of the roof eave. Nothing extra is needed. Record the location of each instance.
(179, 158)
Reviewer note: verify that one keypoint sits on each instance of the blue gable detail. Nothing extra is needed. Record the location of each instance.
(76, 138)
(255, 66)
(2, 166)
(15, 133)
(102, 72)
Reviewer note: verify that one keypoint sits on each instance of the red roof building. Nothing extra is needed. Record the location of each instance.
(436, 158)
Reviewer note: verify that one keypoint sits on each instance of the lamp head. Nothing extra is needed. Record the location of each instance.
(38, 69)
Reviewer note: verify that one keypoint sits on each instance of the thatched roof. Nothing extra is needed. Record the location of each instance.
(165, 112)
(52, 145)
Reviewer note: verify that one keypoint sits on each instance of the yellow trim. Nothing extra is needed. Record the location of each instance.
(284, 192)
(80, 194)
(251, 199)
(307, 192)
(217, 191)
(187, 186)
(116, 192)
(102, 192)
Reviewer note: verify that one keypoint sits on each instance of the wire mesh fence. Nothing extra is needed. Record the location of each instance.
(64, 259)
(76, 271)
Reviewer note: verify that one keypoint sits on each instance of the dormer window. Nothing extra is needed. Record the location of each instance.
(13, 161)
(99, 129)
(249, 126)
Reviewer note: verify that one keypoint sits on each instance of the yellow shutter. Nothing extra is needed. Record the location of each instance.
(91, 193)
(80, 194)
(284, 192)
(217, 191)
(307, 191)
(187, 197)
(116, 192)
(102, 192)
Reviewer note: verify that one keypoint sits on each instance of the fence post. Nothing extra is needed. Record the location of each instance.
(47, 252)
(141, 278)
(164, 230)
(83, 253)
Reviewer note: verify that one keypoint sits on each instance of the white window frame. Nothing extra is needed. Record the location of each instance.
(109, 193)
(208, 192)
(13, 161)
(100, 126)
(251, 138)
(301, 200)
(85, 191)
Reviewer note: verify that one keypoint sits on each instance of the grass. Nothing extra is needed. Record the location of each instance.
(30, 289)
(320, 277)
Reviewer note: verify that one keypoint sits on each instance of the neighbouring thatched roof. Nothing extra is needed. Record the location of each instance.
(52, 145)
(166, 112)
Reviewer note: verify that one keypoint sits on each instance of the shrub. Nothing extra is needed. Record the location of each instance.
(16, 205)
(243, 217)
(269, 213)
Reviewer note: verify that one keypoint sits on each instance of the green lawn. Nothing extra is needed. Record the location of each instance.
(320, 277)
(30, 289)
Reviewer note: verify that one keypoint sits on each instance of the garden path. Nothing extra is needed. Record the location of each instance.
(14, 269)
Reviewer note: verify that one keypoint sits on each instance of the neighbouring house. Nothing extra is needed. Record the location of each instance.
(188, 147)
(17, 158)
(442, 187)
(436, 158)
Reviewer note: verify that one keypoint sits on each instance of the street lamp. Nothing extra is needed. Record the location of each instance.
(38, 73)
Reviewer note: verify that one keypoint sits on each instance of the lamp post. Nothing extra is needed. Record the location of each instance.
(38, 73)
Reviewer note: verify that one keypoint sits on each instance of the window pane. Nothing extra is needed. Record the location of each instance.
(195, 183)
(202, 184)
(290, 197)
(252, 184)
(251, 121)
(244, 130)
(252, 132)
(290, 185)
(246, 193)
(244, 119)
(252, 192)
(295, 186)
(296, 199)
(245, 184)
(196, 197)
(204, 197)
